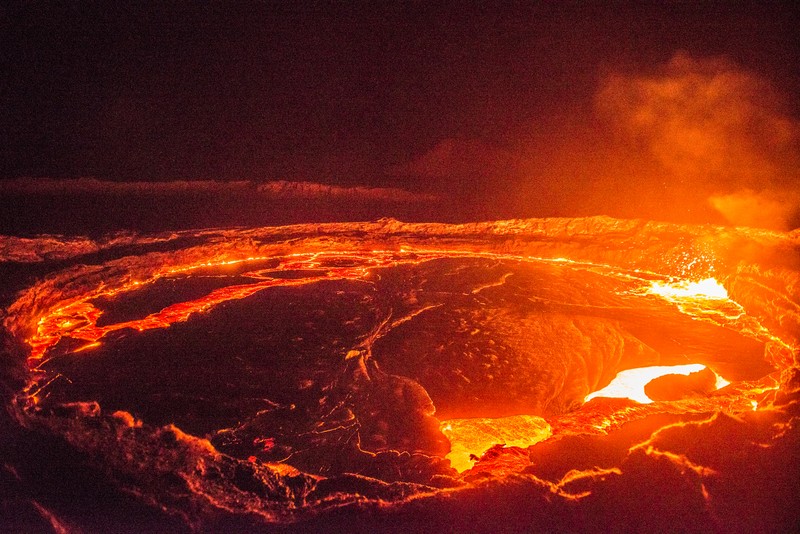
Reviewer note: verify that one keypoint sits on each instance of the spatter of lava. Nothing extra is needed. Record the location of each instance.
(392, 376)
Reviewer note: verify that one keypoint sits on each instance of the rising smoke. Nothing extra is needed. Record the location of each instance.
(712, 131)
(694, 140)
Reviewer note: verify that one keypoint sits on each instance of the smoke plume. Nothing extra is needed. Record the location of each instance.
(712, 130)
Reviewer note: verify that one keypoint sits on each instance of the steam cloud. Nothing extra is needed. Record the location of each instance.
(715, 130)
(693, 140)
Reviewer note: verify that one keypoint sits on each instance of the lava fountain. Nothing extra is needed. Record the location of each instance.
(544, 374)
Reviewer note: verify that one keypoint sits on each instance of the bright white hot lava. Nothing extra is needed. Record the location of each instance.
(630, 383)
(709, 289)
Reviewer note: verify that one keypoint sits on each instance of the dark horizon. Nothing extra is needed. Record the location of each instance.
(503, 105)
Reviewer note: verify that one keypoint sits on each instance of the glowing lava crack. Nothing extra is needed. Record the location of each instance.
(395, 373)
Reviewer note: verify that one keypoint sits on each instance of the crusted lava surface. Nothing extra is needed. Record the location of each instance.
(401, 377)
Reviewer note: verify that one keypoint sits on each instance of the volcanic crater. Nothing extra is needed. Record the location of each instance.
(303, 376)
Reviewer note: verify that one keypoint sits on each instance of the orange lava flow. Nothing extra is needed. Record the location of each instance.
(78, 320)
(704, 299)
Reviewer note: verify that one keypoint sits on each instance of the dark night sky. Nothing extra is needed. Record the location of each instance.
(335, 92)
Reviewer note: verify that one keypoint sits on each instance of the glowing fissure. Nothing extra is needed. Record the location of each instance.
(708, 288)
(630, 383)
(78, 318)
(708, 300)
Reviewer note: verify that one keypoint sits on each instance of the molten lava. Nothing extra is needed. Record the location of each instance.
(708, 288)
(631, 383)
(470, 438)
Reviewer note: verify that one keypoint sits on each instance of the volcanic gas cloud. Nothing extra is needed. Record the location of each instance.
(545, 374)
